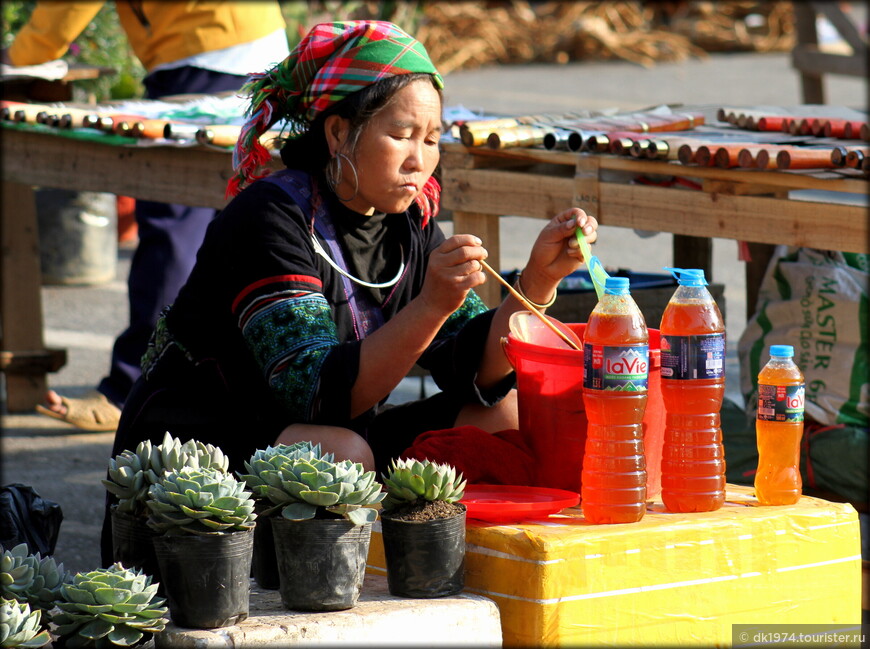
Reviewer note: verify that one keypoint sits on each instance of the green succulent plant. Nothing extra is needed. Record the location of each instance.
(131, 473)
(108, 606)
(200, 501)
(30, 578)
(21, 627)
(409, 480)
(272, 457)
(301, 485)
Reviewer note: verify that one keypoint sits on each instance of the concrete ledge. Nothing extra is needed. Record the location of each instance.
(378, 619)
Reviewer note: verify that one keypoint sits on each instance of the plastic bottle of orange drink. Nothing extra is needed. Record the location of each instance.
(779, 427)
(616, 372)
(693, 385)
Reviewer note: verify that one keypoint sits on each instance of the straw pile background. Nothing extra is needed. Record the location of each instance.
(644, 33)
(466, 34)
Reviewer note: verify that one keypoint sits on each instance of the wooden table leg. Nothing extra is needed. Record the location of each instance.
(23, 358)
(760, 255)
(694, 252)
(485, 226)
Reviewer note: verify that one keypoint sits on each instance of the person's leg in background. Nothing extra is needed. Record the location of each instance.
(169, 237)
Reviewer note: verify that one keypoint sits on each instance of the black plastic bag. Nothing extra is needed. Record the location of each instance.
(25, 517)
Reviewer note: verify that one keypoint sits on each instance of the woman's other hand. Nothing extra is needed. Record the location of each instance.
(556, 253)
(454, 268)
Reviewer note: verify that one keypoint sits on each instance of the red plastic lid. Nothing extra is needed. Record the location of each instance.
(512, 503)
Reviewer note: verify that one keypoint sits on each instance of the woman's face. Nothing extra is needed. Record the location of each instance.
(397, 152)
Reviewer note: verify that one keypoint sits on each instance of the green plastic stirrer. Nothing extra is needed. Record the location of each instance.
(596, 270)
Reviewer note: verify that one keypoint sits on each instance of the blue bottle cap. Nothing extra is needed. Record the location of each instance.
(616, 285)
(782, 351)
(688, 276)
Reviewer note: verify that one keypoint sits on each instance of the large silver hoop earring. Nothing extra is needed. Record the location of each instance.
(334, 173)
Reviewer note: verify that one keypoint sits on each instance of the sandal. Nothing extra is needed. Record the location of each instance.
(93, 412)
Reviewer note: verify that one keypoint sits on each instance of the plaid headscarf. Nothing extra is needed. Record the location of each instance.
(332, 62)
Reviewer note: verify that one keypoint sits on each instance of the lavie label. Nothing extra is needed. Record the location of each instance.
(623, 368)
(781, 403)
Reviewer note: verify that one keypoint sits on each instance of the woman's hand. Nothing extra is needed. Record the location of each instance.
(556, 253)
(454, 268)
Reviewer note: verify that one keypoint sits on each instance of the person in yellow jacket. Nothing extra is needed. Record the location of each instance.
(185, 47)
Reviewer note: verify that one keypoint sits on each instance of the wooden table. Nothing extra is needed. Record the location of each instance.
(480, 186)
(190, 176)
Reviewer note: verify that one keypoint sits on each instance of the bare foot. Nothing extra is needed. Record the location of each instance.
(53, 402)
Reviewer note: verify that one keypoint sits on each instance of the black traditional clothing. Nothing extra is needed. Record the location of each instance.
(266, 333)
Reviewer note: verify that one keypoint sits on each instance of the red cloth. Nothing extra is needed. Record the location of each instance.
(483, 458)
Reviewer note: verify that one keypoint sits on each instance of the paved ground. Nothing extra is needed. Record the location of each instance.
(65, 465)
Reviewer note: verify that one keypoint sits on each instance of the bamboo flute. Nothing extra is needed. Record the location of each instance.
(794, 158)
(226, 135)
(528, 305)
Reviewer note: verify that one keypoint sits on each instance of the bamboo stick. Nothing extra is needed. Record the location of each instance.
(528, 305)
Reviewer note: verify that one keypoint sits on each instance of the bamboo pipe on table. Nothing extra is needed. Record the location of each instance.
(226, 135)
(793, 158)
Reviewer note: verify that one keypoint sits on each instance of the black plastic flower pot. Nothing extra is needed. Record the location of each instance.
(321, 562)
(132, 544)
(206, 577)
(425, 559)
(264, 567)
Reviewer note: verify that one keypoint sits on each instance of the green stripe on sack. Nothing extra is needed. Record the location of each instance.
(849, 413)
(782, 283)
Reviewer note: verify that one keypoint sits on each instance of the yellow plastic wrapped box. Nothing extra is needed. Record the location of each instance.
(670, 579)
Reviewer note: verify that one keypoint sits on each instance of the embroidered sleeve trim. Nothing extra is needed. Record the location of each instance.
(290, 339)
(314, 283)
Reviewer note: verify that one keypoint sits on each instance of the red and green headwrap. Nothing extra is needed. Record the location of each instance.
(333, 61)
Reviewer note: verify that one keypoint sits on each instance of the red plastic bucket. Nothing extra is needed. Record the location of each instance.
(552, 416)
